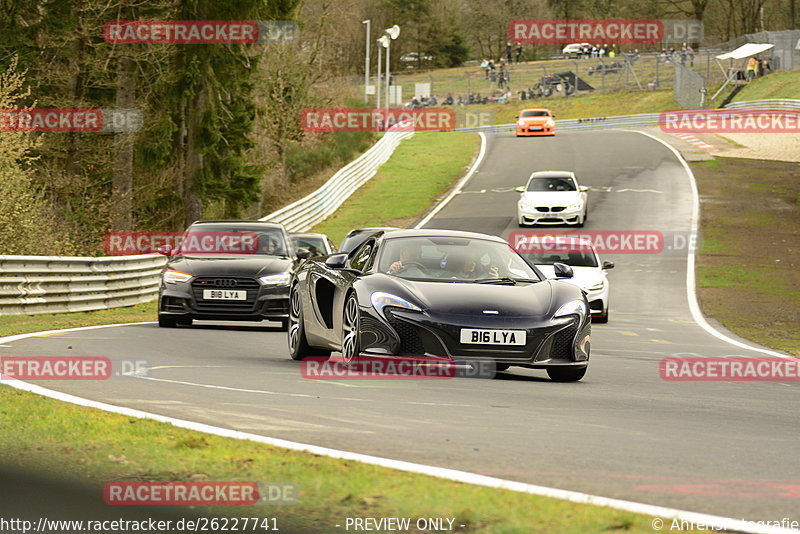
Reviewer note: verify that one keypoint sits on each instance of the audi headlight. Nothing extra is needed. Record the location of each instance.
(573, 307)
(281, 279)
(172, 277)
(381, 299)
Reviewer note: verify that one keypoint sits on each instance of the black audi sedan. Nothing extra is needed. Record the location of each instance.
(227, 270)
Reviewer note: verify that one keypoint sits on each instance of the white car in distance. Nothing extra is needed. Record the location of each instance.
(552, 197)
(588, 272)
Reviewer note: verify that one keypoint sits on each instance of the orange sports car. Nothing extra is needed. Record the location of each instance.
(536, 122)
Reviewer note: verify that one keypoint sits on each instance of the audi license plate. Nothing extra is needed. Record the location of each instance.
(224, 294)
(473, 336)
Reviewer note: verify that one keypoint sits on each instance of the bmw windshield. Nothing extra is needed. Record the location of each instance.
(453, 259)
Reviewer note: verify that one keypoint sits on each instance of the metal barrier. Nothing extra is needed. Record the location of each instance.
(319, 205)
(54, 284)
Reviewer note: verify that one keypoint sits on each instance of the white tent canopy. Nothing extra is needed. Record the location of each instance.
(746, 50)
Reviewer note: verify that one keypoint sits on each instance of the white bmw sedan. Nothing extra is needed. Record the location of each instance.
(552, 197)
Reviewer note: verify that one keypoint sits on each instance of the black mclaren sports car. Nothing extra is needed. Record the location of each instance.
(462, 296)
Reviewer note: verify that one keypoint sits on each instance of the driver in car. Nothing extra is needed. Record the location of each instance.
(410, 255)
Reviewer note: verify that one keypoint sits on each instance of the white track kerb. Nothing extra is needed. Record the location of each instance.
(658, 512)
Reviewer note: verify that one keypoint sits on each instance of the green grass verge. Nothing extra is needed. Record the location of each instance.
(20, 324)
(419, 171)
(747, 267)
(105, 447)
(776, 85)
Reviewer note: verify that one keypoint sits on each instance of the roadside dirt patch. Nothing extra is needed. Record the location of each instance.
(748, 270)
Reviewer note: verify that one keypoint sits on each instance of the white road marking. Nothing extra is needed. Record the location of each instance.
(662, 512)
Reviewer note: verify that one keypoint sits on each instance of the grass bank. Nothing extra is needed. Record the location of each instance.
(106, 447)
(748, 269)
(420, 170)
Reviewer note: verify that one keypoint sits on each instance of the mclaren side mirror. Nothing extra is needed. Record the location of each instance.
(166, 250)
(302, 253)
(608, 265)
(562, 270)
(520, 189)
(336, 261)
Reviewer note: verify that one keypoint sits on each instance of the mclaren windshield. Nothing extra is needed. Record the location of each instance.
(454, 259)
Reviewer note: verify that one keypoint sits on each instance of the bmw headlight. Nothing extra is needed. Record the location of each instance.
(550, 123)
(573, 307)
(172, 277)
(596, 287)
(281, 279)
(575, 206)
(520, 123)
(381, 299)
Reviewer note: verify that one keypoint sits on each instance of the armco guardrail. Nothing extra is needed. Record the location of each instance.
(316, 207)
(56, 284)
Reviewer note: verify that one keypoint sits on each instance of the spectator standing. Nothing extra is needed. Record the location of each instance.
(519, 52)
(751, 68)
(508, 51)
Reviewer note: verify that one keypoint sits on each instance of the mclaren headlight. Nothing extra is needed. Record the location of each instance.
(573, 307)
(281, 279)
(381, 299)
(172, 277)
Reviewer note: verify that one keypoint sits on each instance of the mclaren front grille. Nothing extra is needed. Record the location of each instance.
(562, 342)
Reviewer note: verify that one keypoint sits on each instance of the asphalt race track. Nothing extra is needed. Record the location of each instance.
(725, 448)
